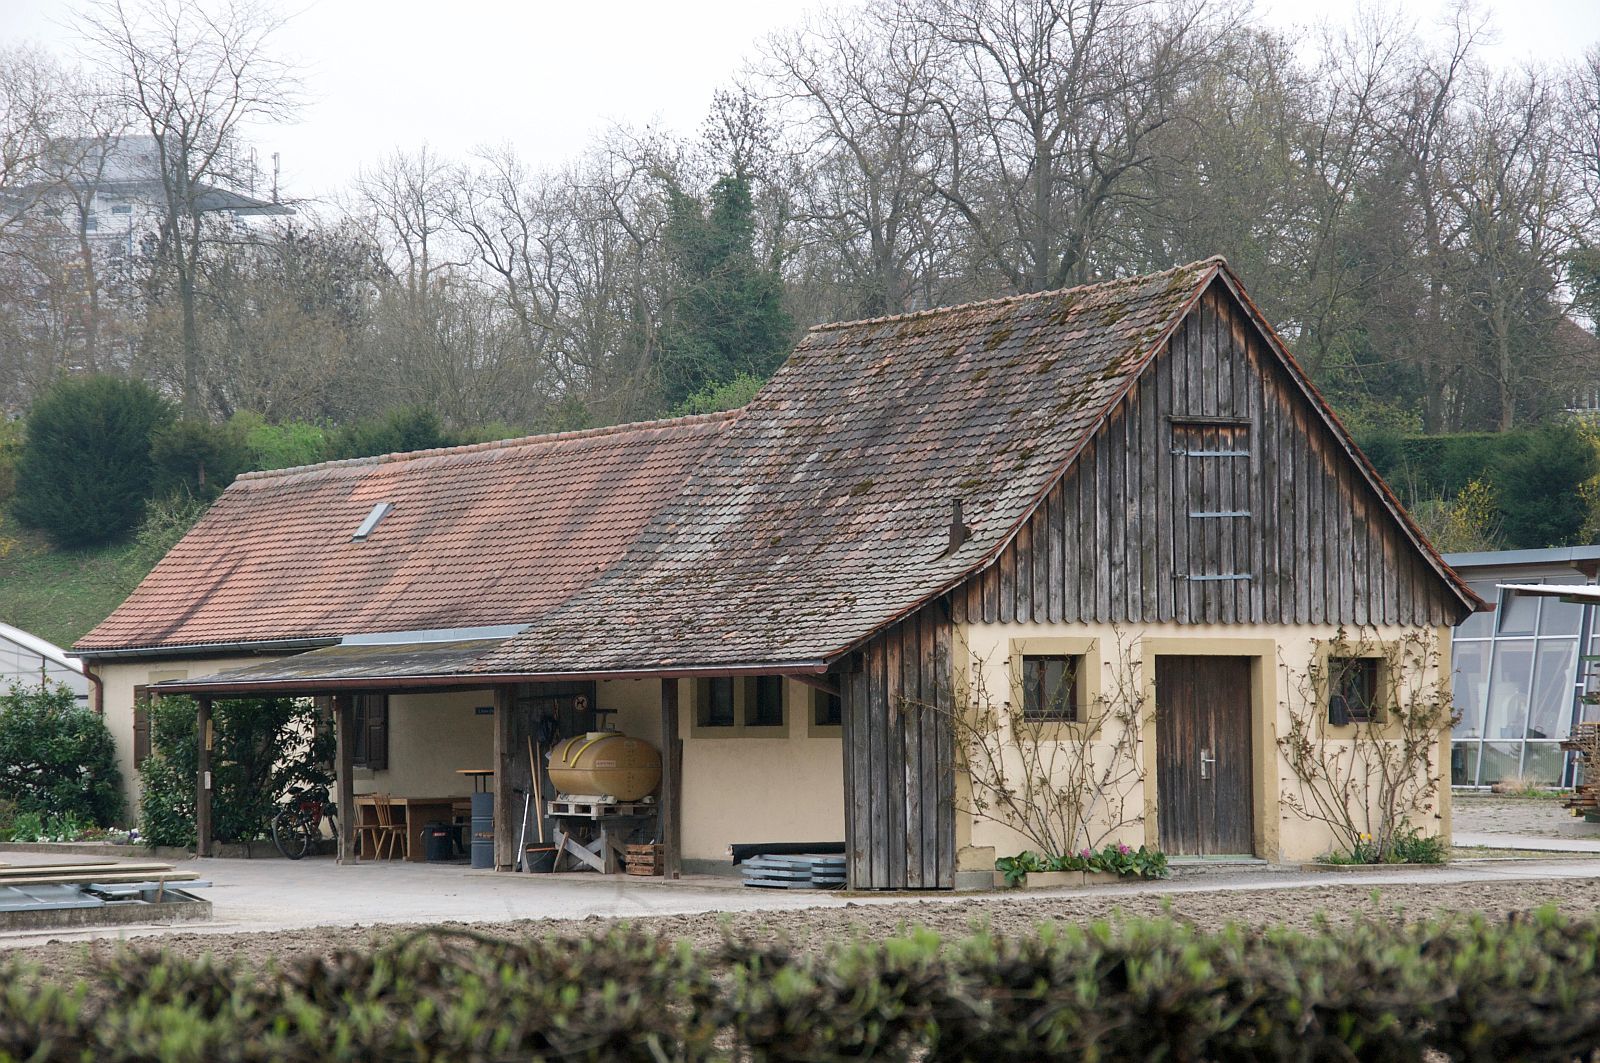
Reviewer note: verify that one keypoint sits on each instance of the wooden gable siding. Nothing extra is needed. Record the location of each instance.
(898, 755)
(1114, 539)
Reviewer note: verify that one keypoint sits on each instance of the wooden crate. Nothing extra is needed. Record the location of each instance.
(644, 859)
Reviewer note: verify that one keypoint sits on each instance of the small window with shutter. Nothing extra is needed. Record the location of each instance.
(141, 724)
(370, 719)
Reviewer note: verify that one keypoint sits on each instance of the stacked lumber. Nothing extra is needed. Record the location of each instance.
(86, 872)
(644, 860)
(1585, 741)
(799, 871)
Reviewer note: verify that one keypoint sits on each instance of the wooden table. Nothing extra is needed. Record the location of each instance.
(480, 778)
(413, 813)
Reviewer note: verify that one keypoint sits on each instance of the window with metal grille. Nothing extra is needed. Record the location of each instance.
(1353, 690)
(1050, 688)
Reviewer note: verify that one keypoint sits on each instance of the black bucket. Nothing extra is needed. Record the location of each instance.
(540, 860)
(439, 841)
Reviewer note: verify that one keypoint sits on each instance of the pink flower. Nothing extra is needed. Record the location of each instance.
(1123, 849)
(1085, 853)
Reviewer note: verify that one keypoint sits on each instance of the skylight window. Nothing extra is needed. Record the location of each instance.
(379, 511)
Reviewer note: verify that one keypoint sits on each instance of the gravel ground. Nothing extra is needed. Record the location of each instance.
(815, 928)
(1534, 817)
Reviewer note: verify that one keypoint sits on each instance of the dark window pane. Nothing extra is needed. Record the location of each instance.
(1471, 680)
(1352, 690)
(719, 703)
(1050, 687)
(829, 709)
(766, 708)
(1550, 713)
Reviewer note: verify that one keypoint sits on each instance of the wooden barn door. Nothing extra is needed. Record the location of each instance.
(1203, 755)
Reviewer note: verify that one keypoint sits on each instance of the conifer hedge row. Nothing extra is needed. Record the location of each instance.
(1465, 987)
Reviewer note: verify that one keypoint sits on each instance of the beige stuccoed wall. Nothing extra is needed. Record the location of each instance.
(120, 678)
(431, 737)
(1284, 653)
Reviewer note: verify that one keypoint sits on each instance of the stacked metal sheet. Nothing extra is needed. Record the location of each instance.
(797, 871)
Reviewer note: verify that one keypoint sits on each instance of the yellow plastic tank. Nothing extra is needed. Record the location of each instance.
(605, 763)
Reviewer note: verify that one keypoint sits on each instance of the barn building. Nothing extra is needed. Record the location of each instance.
(1062, 497)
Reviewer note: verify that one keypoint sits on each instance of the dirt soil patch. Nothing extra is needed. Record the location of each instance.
(814, 929)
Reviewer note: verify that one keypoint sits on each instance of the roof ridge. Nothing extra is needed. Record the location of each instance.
(1112, 282)
(688, 420)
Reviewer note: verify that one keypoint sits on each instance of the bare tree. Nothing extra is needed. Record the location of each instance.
(192, 79)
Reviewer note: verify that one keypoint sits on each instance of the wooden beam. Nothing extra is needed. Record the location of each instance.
(828, 684)
(344, 743)
(505, 755)
(202, 798)
(671, 781)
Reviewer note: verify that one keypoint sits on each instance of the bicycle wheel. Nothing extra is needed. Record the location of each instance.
(291, 833)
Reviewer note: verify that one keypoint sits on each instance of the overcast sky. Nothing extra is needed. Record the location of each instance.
(545, 76)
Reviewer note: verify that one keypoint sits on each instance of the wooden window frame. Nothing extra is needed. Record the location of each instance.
(1340, 712)
(745, 694)
(1088, 679)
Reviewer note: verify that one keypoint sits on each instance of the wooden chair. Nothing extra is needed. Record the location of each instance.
(385, 831)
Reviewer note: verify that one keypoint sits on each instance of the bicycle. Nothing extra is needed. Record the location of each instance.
(298, 825)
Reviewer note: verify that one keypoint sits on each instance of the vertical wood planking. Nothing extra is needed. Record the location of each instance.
(1113, 540)
(202, 776)
(344, 782)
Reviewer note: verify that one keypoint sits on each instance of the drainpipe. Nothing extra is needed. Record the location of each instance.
(98, 701)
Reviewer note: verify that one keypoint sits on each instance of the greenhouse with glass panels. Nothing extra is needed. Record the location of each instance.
(1520, 672)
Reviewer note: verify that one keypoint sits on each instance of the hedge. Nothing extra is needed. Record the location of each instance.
(1464, 988)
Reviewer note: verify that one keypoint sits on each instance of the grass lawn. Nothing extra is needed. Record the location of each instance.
(60, 594)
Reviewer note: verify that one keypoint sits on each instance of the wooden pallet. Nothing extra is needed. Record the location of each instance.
(645, 860)
(600, 809)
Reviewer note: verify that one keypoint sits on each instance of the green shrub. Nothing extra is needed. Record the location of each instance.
(280, 446)
(1464, 988)
(84, 470)
(197, 459)
(408, 428)
(262, 747)
(10, 450)
(57, 760)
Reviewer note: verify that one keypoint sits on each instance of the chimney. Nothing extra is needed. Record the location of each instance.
(959, 532)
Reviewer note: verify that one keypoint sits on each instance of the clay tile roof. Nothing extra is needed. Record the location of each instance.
(825, 511)
(491, 534)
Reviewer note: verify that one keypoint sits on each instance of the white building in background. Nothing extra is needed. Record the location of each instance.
(27, 660)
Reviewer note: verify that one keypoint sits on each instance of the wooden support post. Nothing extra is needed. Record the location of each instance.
(506, 807)
(344, 741)
(202, 796)
(671, 781)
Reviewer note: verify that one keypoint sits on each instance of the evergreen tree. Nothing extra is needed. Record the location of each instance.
(84, 472)
(726, 315)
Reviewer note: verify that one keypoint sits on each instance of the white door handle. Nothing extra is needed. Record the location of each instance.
(1206, 760)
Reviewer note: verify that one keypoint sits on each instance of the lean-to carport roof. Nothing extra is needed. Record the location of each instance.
(497, 533)
(825, 512)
